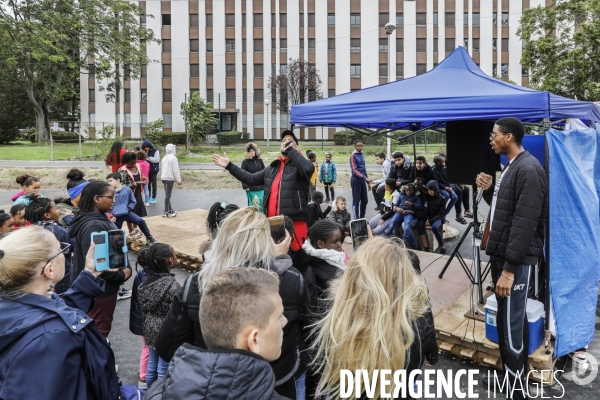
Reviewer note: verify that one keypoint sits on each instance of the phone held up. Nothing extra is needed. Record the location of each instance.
(277, 228)
(111, 249)
(358, 232)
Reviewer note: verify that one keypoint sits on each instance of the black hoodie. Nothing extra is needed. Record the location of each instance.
(81, 229)
(436, 206)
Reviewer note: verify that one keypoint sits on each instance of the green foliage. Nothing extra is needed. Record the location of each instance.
(563, 48)
(198, 117)
(154, 130)
(15, 111)
(348, 137)
(164, 138)
(105, 138)
(65, 137)
(234, 137)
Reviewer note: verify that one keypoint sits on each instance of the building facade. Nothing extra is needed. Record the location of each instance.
(228, 49)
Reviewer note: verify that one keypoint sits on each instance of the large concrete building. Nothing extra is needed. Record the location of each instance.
(227, 50)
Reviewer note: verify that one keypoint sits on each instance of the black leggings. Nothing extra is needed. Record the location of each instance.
(152, 185)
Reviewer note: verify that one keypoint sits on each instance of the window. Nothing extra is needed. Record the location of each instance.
(195, 45)
(495, 70)
(273, 21)
(495, 19)
(230, 45)
(331, 19)
(166, 45)
(421, 69)
(127, 120)
(194, 70)
(301, 20)
(421, 45)
(330, 92)
(331, 70)
(384, 18)
(524, 72)
(244, 96)
(494, 45)
(209, 70)
(209, 20)
(209, 45)
(505, 70)
(166, 70)
(399, 71)
(505, 45)
(259, 96)
(435, 19)
(259, 119)
(193, 20)
(383, 70)
(466, 43)
(283, 45)
(92, 118)
(355, 45)
(168, 118)
(421, 19)
(210, 97)
(92, 75)
(311, 20)
(355, 70)
(399, 20)
(167, 95)
(355, 19)
(258, 20)
(92, 95)
(144, 95)
(435, 45)
(166, 20)
(243, 45)
(230, 96)
(311, 45)
(301, 45)
(475, 19)
(230, 70)
(383, 45)
(331, 45)
(244, 71)
(449, 19)
(143, 20)
(230, 20)
(450, 46)
(504, 19)
(283, 69)
(258, 45)
(283, 20)
(476, 45)
(399, 45)
(273, 45)
(143, 120)
(258, 70)
(273, 69)
(523, 44)
(466, 19)
(243, 20)
(312, 94)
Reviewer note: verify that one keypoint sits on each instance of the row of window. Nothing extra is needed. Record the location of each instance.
(167, 118)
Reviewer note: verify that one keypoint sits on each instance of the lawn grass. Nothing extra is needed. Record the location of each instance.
(93, 151)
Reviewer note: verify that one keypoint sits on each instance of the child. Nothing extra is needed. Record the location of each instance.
(6, 222)
(216, 215)
(155, 296)
(341, 214)
(404, 210)
(142, 158)
(313, 179)
(135, 313)
(435, 212)
(381, 222)
(124, 204)
(29, 185)
(440, 175)
(170, 174)
(18, 213)
(328, 176)
(314, 209)
(43, 211)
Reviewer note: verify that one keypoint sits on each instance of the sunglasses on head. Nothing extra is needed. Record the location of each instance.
(64, 249)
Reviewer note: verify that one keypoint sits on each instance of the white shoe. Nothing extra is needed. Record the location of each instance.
(147, 204)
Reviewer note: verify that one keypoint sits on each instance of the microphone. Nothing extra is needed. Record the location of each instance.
(479, 195)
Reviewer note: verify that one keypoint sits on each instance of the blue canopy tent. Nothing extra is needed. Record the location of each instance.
(457, 90)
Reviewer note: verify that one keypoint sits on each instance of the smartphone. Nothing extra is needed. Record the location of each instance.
(117, 249)
(358, 232)
(277, 228)
(101, 256)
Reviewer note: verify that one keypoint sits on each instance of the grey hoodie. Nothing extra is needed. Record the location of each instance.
(170, 165)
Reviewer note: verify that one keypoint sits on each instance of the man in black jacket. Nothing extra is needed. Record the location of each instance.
(286, 181)
(518, 209)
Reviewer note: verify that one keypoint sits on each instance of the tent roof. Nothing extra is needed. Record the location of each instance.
(456, 89)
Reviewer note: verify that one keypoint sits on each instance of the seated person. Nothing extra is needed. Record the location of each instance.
(435, 212)
(341, 214)
(404, 210)
(420, 216)
(242, 321)
(314, 209)
(421, 170)
(381, 222)
(399, 171)
(463, 194)
(440, 175)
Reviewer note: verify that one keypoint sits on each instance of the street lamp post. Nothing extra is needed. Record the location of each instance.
(267, 104)
(389, 29)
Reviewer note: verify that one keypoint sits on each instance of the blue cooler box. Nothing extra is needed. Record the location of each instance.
(535, 317)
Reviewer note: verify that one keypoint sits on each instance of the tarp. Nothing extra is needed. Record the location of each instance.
(456, 89)
(574, 218)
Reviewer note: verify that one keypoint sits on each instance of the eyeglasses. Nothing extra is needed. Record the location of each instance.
(493, 134)
(64, 247)
(109, 197)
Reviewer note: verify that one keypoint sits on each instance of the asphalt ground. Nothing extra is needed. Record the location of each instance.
(127, 347)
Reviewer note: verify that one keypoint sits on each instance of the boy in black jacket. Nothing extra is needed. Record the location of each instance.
(435, 212)
(314, 209)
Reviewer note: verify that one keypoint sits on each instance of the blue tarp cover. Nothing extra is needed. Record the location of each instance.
(574, 215)
(454, 90)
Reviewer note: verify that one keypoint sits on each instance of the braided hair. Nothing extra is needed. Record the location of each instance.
(157, 257)
(217, 213)
(322, 230)
(36, 209)
(94, 188)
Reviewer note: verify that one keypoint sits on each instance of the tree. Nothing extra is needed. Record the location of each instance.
(197, 117)
(299, 83)
(45, 45)
(15, 111)
(562, 48)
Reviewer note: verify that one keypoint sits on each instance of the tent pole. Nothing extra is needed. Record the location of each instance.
(547, 247)
(415, 146)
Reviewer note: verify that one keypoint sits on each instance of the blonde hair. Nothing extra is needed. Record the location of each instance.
(373, 307)
(24, 250)
(243, 240)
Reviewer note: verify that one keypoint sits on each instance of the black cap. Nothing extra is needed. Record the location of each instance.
(287, 132)
(391, 182)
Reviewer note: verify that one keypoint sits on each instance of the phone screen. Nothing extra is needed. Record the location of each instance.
(99, 239)
(358, 231)
(277, 228)
(116, 242)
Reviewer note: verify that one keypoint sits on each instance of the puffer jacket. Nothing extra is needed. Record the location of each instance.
(153, 157)
(294, 187)
(328, 172)
(253, 165)
(518, 229)
(402, 174)
(196, 373)
(155, 296)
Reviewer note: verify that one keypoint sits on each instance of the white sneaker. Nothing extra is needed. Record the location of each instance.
(147, 204)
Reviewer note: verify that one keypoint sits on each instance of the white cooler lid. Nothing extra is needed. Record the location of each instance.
(535, 309)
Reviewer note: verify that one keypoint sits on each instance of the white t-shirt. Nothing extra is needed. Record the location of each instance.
(496, 190)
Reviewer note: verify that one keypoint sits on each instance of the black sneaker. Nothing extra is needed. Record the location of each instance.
(376, 208)
(123, 293)
(442, 250)
(150, 240)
